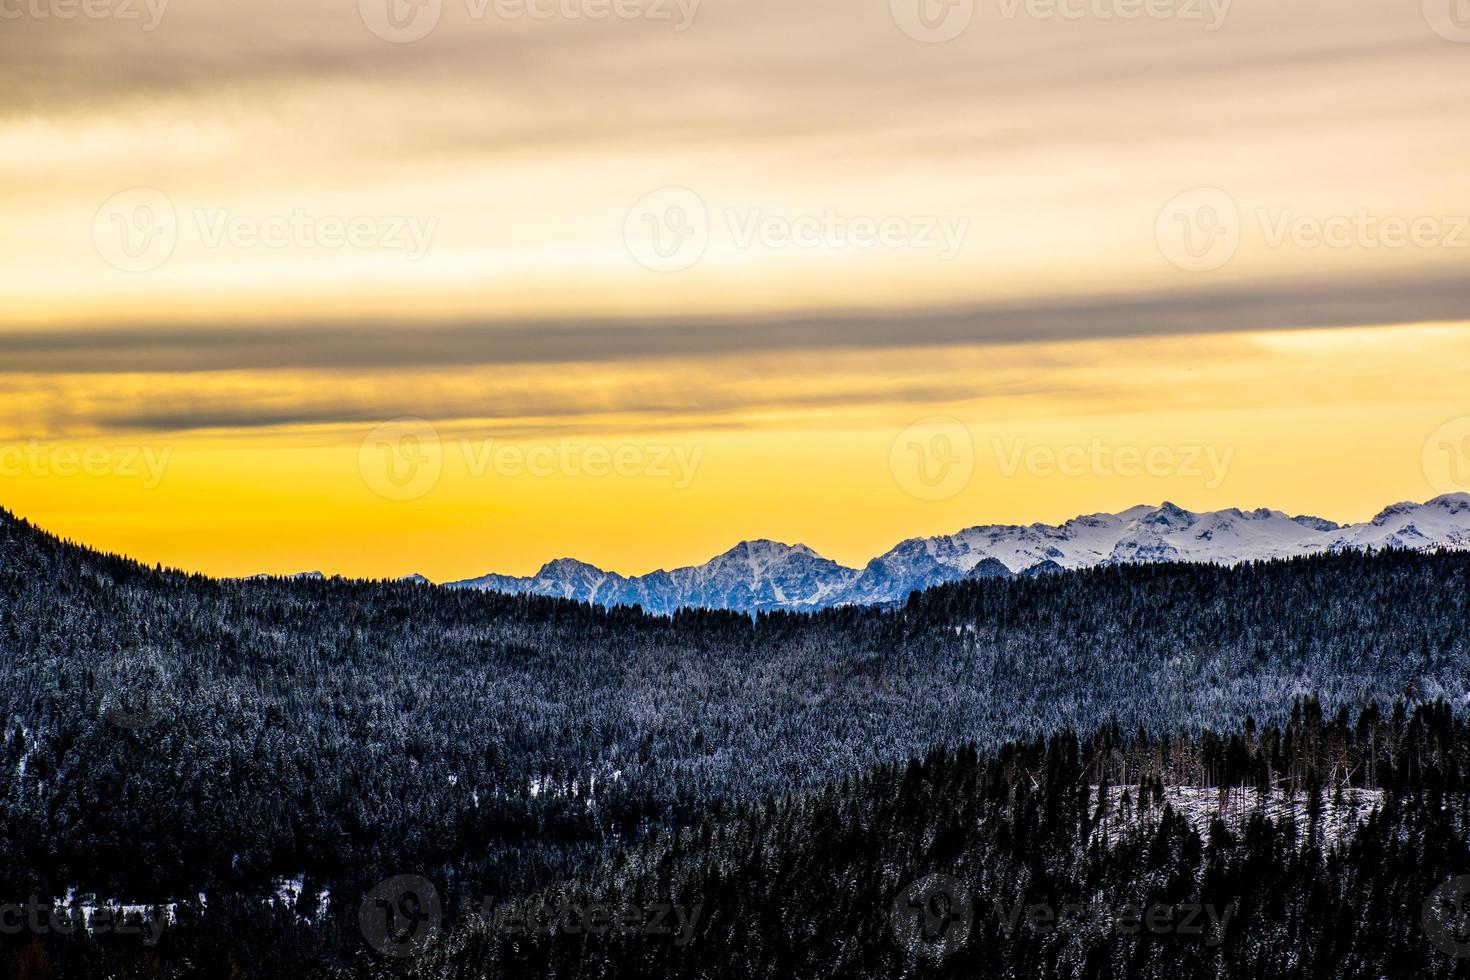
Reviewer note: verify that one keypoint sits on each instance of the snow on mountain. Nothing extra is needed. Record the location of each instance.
(754, 575)
(1442, 522)
(765, 575)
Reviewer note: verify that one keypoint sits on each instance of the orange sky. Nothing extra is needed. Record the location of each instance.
(655, 284)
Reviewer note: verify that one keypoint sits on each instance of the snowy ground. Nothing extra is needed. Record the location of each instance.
(101, 915)
(1201, 805)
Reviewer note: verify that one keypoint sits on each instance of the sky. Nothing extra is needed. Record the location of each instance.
(379, 287)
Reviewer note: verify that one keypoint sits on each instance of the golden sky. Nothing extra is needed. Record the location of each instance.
(454, 286)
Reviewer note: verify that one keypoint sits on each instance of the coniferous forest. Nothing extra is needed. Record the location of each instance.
(1133, 771)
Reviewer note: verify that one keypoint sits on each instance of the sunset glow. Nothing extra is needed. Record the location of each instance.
(644, 314)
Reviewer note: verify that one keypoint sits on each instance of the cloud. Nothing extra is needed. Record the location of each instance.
(278, 346)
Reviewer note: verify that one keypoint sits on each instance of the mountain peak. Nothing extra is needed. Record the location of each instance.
(1170, 515)
(762, 574)
(1453, 501)
(568, 566)
(1399, 509)
(765, 546)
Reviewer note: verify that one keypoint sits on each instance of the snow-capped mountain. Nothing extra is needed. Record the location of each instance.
(754, 575)
(764, 575)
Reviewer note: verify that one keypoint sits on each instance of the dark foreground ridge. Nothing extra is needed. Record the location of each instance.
(1324, 849)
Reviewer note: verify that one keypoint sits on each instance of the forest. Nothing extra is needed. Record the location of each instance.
(177, 739)
(1056, 858)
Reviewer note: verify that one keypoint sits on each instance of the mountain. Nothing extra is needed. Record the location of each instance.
(764, 575)
(752, 576)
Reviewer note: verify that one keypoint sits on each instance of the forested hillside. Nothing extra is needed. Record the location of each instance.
(166, 735)
(1051, 859)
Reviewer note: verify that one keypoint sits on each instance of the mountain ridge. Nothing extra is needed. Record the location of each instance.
(762, 575)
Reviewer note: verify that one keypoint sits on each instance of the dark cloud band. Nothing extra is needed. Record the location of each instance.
(326, 346)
